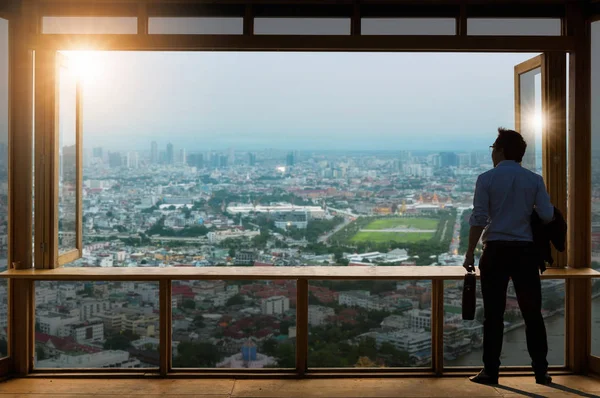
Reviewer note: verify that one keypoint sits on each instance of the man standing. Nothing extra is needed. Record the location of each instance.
(504, 200)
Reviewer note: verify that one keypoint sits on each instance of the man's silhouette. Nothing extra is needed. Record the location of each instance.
(504, 200)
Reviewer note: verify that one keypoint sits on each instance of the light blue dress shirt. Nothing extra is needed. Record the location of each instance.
(504, 199)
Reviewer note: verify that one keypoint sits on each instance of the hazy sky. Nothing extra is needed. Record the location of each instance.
(283, 100)
(299, 100)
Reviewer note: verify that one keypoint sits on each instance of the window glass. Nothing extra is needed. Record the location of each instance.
(408, 26)
(4, 86)
(212, 191)
(369, 324)
(96, 325)
(89, 25)
(67, 165)
(196, 26)
(302, 26)
(463, 340)
(234, 324)
(514, 27)
(595, 31)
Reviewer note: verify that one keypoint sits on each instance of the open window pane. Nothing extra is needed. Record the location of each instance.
(89, 25)
(302, 26)
(408, 26)
(196, 26)
(530, 103)
(369, 324)
(463, 340)
(3, 184)
(234, 324)
(96, 325)
(67, 164)
(514, 27)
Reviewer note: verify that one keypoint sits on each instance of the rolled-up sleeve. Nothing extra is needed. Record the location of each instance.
(543, 205)
(481, 205)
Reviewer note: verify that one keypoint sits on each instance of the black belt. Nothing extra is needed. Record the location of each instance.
(507, 243)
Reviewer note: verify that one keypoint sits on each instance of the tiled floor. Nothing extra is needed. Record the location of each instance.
(564, 386)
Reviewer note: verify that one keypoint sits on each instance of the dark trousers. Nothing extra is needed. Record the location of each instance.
(518, 261)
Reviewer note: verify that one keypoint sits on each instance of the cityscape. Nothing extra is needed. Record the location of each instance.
(165, 207)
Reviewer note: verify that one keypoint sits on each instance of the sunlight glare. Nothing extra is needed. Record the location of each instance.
(86, 65)
(538, 121)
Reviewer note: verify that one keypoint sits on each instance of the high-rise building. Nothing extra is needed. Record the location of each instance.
(115, 159)
(448, 159)
(223, 161)
(231, 156)
(251, 159)
(182, 156)
(170, 155)
(195, 160)
(290, 159)
(97, 152)
(153, 152)
(133, 160)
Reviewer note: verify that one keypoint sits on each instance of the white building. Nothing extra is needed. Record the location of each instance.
(395, 322)
(87, 332)
(103, 359)
(45, 295)
(275, 305)
(313, 211)
(56, 324)
(90, 308)
(317, 314)
(359, 298)
(419, 319)
(67, 291)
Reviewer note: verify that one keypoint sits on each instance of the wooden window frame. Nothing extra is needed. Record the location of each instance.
(48, 65)
(575, 41)
(303, 275)
(554, 133)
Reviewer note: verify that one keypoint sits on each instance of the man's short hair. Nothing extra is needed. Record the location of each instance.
(512, 144)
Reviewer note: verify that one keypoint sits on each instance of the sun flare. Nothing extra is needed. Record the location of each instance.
(538, 121)
(85, 65)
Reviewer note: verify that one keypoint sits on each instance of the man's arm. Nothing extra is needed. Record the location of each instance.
(543, 206)
(478, 221)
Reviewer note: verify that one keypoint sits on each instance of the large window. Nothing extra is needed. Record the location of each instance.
(3, 184)
(171, 178)
(234, 324)
(595, 185)
(96, 325)
(369, 324)
(463, 340)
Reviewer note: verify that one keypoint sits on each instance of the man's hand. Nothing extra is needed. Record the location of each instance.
(469, 263)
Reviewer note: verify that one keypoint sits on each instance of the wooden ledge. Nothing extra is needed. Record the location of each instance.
(267, 273)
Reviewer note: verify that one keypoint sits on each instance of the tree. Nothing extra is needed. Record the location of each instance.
(199, 321)
(40, 353)
(3, 347)
(238, 299)
(284, 327)
(196, 355)
(189, 304)
(365, 362)
(286, 356)
(232, 252)
(118, 342)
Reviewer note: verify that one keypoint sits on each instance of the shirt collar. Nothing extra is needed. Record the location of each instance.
(510, 163)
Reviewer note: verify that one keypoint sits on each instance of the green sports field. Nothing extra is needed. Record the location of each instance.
(368, 236)
(417, 223)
